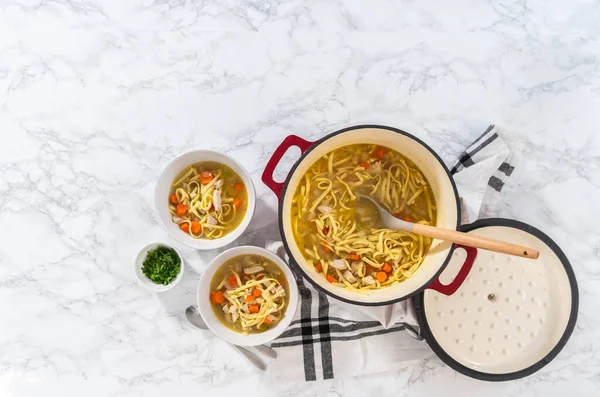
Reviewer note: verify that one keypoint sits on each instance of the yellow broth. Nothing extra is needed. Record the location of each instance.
(249, 294)
(342, 235)
(208, 200)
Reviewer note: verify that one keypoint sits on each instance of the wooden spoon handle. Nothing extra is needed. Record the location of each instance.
(471, 240)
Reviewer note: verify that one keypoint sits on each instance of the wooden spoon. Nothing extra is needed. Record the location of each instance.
(470, 240)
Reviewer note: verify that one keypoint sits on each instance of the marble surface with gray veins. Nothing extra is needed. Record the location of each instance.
(96, 97)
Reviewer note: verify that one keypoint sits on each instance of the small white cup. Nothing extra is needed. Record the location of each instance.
(145, 281)
(163, 187)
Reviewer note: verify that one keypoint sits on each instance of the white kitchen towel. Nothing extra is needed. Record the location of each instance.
(332, 339)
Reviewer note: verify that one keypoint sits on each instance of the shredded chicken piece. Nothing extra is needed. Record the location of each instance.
(217, 200)
(325, 210)
(211, 220)
(376, 168)
(176, 219)
(349, 276)
(219, 184)
(253, 269)
(234, 312)
(338, 264)
(369, 280)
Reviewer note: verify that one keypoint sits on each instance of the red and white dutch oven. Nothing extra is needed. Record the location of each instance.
(438, 175)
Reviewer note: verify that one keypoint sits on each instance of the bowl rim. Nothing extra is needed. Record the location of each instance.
(305, 275)
(223, 332)
(145, 281)
(205, 244)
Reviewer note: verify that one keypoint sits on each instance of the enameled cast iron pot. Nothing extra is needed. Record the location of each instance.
(438, 175)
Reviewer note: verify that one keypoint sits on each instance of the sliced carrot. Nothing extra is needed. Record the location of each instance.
(386, 268)
(217, 297)
(407, 218)
(353, 257)
(257, 292)
(206, 177)
(371, 268)
(212, 208)
(238, 187)
(326, 247)
(249, 298)
(185, 227)
(196, 227)
(331, 279)
(253, 308)
(381, 276)
(237, 202)
(378, 153)
(319, 267)
(365, 165)
(232, 281)
(173, 199)
(181, 209)
(325, 230)
(268, 320)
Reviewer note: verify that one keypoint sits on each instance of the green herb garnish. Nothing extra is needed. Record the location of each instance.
(161, 265)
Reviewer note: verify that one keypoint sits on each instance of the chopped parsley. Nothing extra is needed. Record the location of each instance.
(161, 265)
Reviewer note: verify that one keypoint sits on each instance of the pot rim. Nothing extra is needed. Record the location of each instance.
(293, 259)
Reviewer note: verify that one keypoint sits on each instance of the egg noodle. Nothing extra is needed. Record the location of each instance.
(342, 236)
(216, 216)
(249, 294)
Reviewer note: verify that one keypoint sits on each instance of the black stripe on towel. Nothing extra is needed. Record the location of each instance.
(482, 135)
(338, 338)
(466, 159)
(496, 183)
(506, 168)
(308, 348)
(324, 331)
(338, 319)
(333, 328)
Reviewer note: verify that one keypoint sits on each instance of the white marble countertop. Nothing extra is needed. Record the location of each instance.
(97, 96)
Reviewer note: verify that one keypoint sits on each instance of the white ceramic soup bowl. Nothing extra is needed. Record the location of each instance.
(163, 187)
(227, 334)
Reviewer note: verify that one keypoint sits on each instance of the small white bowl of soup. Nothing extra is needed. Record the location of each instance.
(205, 199)
(247, 296)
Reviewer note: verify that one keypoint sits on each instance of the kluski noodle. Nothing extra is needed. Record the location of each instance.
(207, 200)
(249, 294)
(341, 235)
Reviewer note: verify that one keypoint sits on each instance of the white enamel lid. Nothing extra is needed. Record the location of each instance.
(511, 316)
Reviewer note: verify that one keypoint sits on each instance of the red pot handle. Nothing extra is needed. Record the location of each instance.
(288, 142)
(451, 288)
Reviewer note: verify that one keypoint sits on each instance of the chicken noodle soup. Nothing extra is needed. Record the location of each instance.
(249, 294)
(208, 200)
(341, 235)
